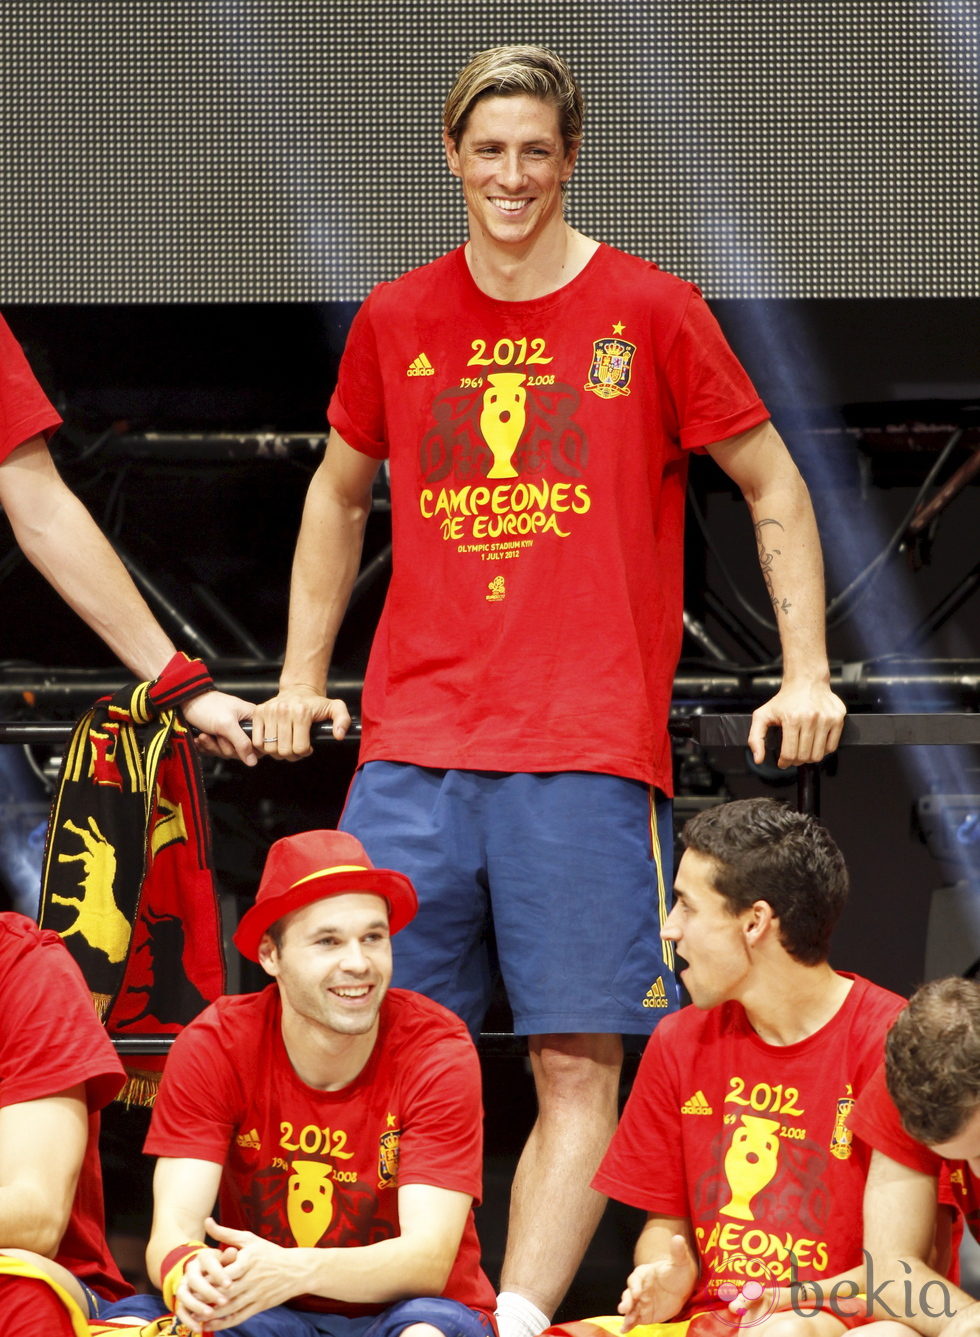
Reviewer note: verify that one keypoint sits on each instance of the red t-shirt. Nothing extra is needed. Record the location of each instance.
(24, 407)
(323, 1168)
(752, 1142)
(50, 1040)
(538, 454)
(877, 1122)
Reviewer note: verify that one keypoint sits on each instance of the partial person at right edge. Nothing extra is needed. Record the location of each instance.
(921, 1114)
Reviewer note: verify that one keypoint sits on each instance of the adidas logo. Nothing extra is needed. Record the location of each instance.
(421, 367)
(251, 1140)
(698, 1104)
(656, 995)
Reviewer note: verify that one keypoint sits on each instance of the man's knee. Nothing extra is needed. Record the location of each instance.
(576, 1067)
(430, 1316)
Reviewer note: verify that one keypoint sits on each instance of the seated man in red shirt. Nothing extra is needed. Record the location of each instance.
(736, 1140)
(337, 1122)
(57, 1071)
(921, 1114)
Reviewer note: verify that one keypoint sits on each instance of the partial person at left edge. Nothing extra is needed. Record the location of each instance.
(58, 1069)
(59, 537)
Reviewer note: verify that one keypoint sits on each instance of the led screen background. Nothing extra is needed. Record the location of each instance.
(288, 150)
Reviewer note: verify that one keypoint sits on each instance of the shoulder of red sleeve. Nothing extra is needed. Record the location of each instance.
(430, 1045)
(649, 271)
(228, 1034)
(17, 932)
(413, 1015)
(645, 1197)
(876, 1121)
(36, 965)
(395, 292)
(43, 422)
(874, 1001)
(692, 1025)
(25, 410)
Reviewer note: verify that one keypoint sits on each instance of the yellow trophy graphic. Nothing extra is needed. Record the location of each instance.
(502, 420)
(309, 1204)
(750, 1163)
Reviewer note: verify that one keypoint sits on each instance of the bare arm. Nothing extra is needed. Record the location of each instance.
(900, 1228)
(59, 537)
(184, 1194)
(810, 714)
(42, 1145)
(328, 554)
(665, 1274)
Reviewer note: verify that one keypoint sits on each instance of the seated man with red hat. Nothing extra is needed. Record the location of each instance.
(336, 1121)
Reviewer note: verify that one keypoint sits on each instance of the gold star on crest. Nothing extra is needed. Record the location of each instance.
(618, 327)
(390, 1120)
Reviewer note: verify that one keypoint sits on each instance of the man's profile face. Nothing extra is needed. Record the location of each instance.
(333, 964)
(965, 1146)
(512, 162)
(706, 934)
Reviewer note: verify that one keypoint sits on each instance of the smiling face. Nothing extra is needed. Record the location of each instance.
(333, 963)
(706, 934)
(512, 162)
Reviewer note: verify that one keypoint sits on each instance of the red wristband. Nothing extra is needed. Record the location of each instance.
(181, 679)
(172, 1269)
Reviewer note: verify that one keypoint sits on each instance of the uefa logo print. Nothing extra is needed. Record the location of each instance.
(762, 1285)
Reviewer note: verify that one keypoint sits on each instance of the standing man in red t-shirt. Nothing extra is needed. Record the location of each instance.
(537, 395)
(921, 1114)
(57, 534)
(338, 1124)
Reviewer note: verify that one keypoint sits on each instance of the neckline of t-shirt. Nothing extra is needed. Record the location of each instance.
(549, 299)
(338, 1093)
(818, 1036)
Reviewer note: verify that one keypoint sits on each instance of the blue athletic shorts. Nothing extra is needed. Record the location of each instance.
(449, 1316)
(568, 873)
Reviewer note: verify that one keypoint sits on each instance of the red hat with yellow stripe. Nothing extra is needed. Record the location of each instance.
(312, 866)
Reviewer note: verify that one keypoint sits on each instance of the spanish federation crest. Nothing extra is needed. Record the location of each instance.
(612, 360)
(842, 1137)
(388, 1146)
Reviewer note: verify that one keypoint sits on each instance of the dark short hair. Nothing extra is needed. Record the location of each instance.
(932, 1059)
(764, 850)
(508, 71)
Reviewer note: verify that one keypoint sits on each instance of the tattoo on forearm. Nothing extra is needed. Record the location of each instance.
(767, 556)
